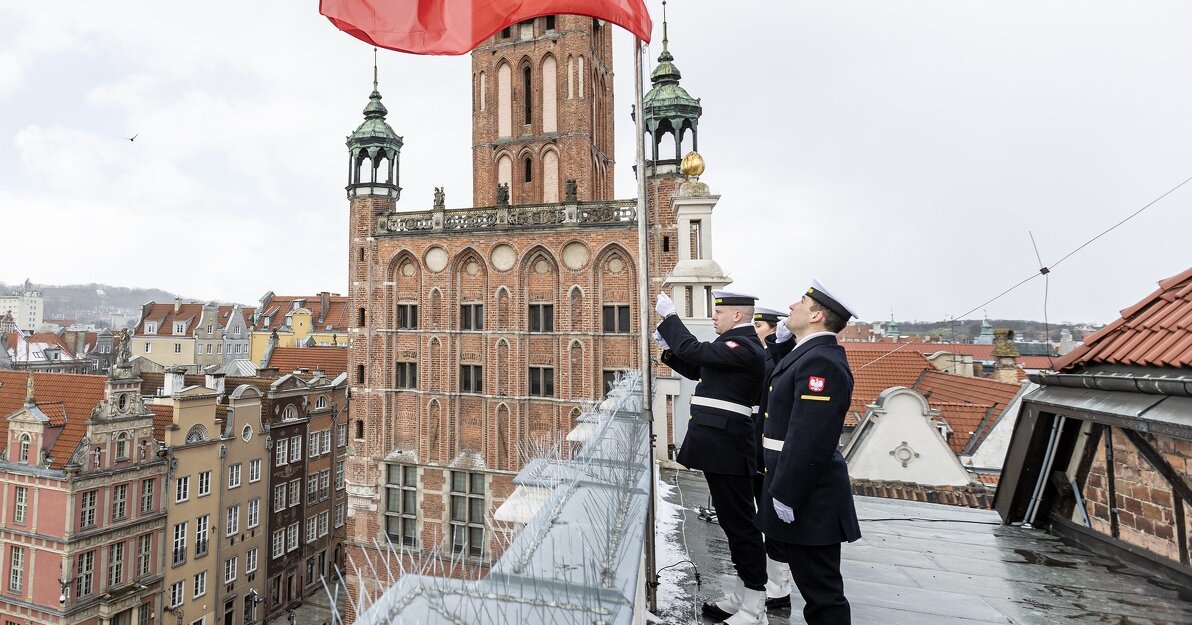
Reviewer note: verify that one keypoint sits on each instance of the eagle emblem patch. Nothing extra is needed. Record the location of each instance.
(815, 384)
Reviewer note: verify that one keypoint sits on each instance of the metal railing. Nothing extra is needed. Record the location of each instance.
(578, 559)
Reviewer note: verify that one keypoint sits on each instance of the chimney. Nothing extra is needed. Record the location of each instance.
(1006, 353)
(177, 304)
(215, 381)
(324, 304)
(175, 379)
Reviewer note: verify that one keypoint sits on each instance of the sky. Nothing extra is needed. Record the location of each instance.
(905, 153)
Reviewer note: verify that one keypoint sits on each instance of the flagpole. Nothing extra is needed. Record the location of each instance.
(643, 298)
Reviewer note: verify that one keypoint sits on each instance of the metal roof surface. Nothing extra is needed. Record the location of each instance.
(932, 564)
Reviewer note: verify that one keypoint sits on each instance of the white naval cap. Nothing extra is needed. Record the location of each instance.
(768, 314)
(819, 293)
(726, 298)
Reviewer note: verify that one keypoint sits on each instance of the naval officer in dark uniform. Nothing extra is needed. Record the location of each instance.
(766, 322)
(720, 438)
(811, 510)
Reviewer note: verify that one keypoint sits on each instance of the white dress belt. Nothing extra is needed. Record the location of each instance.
(772, 444)
(723, 405)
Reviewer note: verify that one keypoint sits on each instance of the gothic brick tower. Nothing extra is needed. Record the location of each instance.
(478, 333)
(542, 104)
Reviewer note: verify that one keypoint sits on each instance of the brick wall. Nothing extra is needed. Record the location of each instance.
(1146, 513)
(583, 138)
(577, 269)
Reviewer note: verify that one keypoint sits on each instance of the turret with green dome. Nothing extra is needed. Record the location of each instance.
(668, 108)
(375, 151)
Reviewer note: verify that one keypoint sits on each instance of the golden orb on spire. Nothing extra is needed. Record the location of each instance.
(693, 164)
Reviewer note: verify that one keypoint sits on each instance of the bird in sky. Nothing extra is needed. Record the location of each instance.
(134, 137)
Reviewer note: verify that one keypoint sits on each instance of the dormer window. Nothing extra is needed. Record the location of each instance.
(179, 328)
(289, 414)
(23, 454)
(150, 327)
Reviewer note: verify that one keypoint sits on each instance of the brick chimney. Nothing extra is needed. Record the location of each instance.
(1006, 353)
(324, 304)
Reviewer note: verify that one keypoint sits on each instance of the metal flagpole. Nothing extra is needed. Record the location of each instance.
(643, 298)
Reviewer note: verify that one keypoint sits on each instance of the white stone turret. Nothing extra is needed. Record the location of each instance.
(696, 273)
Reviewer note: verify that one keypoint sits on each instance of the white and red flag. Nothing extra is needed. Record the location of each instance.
(458, 26)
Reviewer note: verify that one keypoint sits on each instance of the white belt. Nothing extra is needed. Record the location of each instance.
(723, 405)
(772, 444)
(755, 409)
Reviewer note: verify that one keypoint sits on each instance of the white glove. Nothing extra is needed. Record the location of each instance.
(665, 307)
(783, 333)
(784, 512)
(661, 341)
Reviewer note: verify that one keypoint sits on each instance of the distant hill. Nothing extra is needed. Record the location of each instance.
(966, 330)
(92, 303)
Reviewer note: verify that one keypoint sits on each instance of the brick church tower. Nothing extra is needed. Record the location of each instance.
(542, 104)
(479, 332)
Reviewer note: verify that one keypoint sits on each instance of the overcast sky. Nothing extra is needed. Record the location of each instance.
(900, 151)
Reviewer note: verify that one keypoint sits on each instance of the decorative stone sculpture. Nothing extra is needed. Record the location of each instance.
(440, 198)
(571, 191)
(503, 194)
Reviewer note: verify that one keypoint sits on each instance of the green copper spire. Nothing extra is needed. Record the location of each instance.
(669, 109)
(375, 148)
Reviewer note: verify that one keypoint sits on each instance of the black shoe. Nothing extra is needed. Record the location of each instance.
(777, 603)
(712, 611)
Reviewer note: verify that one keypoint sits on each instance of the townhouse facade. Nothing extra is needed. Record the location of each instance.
(298, 321)
(276, 517)
(81, 488)
(216, 449)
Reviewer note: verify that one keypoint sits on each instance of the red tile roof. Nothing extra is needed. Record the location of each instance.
(876, 369)
(1157, 331)
(35, 343)
(989, 478)
(163, 415)
(948, 391)
(332, 361)
(856, 332)
(70, 395)
(964, 420)
(335, 319)
(164, 316)
(978, 352)
(948, 387)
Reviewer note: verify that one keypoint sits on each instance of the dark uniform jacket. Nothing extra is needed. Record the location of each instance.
(729, 369)
(759, 421)
(809, 394)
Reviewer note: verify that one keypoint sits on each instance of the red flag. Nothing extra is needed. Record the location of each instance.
(458, 26)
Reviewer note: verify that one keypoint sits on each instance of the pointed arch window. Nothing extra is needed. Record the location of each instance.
(504, 100)
(528, 97)
(528, 170)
